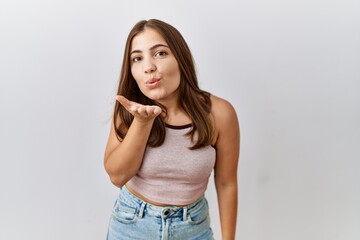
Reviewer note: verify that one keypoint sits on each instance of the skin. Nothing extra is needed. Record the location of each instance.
(157, 74)
(151, 58)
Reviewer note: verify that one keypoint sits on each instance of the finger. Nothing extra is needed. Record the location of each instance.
(138, 109)
(142, 111)
(157, 110)
(152, 110)
(133, 109)
(149, 110)
(130, 106)
(123, 101)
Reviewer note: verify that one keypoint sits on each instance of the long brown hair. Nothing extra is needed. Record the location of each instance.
(195, 102)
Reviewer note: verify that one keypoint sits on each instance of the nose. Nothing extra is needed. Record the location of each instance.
(149, 66)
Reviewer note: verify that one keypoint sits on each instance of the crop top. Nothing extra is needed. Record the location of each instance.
(172, 173)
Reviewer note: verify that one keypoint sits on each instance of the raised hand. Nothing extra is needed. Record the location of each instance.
(140, 112)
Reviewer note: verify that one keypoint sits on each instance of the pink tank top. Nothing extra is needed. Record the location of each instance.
(172, 173)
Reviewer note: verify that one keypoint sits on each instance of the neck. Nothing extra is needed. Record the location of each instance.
(177, 119)
(175, 115)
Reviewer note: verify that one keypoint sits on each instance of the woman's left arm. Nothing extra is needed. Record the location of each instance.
(225, 171)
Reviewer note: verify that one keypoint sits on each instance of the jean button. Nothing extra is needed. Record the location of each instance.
(166, 212)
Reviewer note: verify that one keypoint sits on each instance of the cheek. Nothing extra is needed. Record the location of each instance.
(174, 71)
(176, 77)
(135, 73)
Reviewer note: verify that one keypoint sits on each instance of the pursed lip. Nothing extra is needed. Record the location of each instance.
(152, 81)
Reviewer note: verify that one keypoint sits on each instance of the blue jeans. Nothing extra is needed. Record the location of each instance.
(134, 219)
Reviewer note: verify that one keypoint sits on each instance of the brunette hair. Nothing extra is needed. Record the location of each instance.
(195, 102)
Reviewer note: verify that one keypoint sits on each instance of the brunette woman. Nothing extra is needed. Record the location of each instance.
(166, 138)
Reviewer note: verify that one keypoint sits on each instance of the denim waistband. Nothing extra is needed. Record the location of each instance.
(162, 211)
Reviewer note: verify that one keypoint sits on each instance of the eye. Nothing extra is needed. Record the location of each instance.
(136, 59)
(160, 54)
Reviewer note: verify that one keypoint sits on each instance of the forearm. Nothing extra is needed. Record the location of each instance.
(125, 160)
(227, 200)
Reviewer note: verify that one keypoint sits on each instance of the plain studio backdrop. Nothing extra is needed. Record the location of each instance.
(290, 68)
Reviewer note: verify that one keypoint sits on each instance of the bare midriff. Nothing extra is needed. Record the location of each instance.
(138, 195)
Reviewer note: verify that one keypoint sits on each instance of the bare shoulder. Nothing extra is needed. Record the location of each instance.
(224, 116)
(222, 111)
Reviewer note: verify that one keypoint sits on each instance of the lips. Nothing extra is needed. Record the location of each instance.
(152, 82)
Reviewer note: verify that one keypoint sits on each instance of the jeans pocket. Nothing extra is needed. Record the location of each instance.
(200, 215)
(124, 213)
(198, 218)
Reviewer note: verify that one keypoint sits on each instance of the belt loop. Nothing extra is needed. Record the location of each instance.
(184, 214)
(141, 211)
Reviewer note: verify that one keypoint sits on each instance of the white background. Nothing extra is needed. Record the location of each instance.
(290, 68)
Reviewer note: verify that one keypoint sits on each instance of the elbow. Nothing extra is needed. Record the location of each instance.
(116, 178)
(118, 181)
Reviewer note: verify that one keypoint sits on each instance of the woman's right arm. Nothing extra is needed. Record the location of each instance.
(123, 159)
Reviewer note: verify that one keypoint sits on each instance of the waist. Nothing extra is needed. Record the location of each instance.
(144, 199)
(161, 210)
(165, 193)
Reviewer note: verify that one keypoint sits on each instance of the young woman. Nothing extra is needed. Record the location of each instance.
(166, 138)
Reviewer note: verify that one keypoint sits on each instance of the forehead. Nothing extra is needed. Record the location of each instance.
(146, 39)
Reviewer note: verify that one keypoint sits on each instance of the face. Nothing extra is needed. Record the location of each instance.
(154, 67)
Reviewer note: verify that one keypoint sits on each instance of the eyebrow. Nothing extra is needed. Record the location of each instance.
(152, 48)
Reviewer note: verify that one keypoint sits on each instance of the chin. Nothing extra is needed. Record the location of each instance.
(154, 97)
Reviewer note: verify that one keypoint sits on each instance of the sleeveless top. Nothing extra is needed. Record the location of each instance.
(172, 173)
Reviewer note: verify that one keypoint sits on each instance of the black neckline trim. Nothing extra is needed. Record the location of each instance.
(178, 126)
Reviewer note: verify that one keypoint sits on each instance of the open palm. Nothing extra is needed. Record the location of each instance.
(139, 111)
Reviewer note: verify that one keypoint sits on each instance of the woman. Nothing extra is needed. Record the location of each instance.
(166, 138)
